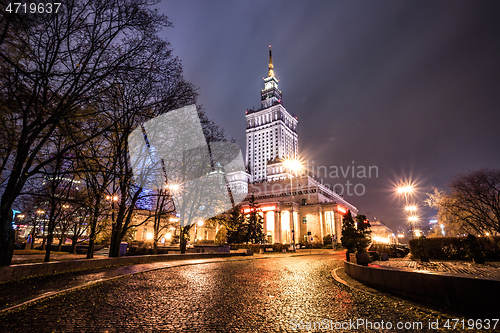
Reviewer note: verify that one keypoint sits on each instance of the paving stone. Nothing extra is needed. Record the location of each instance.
(264, 295)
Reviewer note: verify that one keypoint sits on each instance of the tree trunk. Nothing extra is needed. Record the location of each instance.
(63, 237)
(116, 239)
(90, 251)
(33, 235)
(50, 235)
(183, 240)
(114, 247)
(7, 235)
(155, 246)
(50, 238)
(73, 244)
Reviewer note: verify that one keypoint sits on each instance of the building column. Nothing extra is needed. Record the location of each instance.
(322, 232)
(277, 226)
(297, 222)
(338, 224)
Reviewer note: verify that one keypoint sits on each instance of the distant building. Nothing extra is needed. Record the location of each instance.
(382, 233)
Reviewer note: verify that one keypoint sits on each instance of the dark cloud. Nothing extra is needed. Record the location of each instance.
(409, 86)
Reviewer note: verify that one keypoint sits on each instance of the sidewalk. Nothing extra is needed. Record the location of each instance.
(54, 256)
(15, 293)
(489, 269)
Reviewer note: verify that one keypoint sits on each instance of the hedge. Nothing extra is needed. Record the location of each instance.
(455, 247)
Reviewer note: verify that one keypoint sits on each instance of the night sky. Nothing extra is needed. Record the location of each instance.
(411, 87)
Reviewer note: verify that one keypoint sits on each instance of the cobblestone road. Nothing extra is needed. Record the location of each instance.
(262, 295)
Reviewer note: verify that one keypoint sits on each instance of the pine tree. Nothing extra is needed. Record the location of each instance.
(355, 240)
(349, 233)
(254, 223)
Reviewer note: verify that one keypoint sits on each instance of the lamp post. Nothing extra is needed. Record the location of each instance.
(113, 199)
(413, 220)
(406, 190)
(293, 165)
(412, 217)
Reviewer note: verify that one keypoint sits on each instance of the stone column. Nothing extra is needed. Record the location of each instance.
(338, 224)
(277, 226)
(322, 232)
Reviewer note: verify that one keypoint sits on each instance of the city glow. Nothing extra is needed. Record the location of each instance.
(115, 198)
(168, 236)
(149, 236)
(21, 216)
(341, 209)
(40, 211)
(413, 219)
(200, 223)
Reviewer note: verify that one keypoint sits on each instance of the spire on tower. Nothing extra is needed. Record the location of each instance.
(270, 73)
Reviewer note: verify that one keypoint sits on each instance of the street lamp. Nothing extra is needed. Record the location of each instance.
(411, 208)
(293, 165)
(113, 198)
(173, 187)
(405, 189)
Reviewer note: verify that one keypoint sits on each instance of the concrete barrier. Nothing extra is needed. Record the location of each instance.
(26, 270)
(461, 292)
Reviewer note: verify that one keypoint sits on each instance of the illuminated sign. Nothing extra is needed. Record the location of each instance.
(261, 209)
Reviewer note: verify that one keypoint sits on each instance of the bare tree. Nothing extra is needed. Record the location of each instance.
(96, 172)
(473, 202)
(51, 66)
(164, 207)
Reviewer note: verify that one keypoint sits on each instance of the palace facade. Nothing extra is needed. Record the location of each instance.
(295, 206)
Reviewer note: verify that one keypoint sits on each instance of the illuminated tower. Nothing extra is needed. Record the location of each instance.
(271, 130)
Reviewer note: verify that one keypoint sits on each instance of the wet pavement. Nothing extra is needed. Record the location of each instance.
(278, 293)
(488, 269)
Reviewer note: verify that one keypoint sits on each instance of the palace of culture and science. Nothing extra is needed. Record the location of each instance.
(294, 205)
